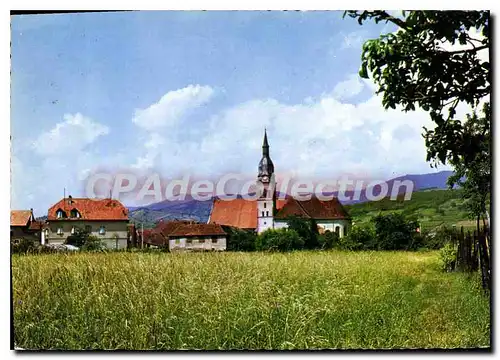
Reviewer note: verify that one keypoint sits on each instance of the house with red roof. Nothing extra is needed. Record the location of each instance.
(271, 212)
(24, 226)
(107, 219)
(186, 235)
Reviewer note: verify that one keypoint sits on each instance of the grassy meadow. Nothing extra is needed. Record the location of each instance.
(299, 300)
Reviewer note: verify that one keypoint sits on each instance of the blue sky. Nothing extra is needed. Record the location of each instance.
(191, 92)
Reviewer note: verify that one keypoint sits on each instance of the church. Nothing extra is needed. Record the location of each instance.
(268, 212)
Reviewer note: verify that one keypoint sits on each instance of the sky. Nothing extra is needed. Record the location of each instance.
(191, 92)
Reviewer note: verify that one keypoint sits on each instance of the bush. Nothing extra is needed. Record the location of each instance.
(23, 246)
(85, 241)
(93, 243)
(307, 230)
(395, 232)
(447, 256)
(328, 240)
(79, 237)
(240, 240)
(359, 238)
(279, 240)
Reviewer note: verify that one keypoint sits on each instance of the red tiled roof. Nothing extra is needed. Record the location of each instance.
(36, 225)
(314, 208)
(198, 230)
(160, 233)
(242, 213)
(19, 217)
(90, 209)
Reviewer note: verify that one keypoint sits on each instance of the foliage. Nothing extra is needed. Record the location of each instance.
(473, 170)
(83, 239)
(239, 240)
(328, 240)
(424, 205)
(93, 243)
(307, 230)
(360, 237)
(78, 238)
(279, 240)
(23, 246)
(221, 301)
(447, 256)
(415, 66)
(394, 232)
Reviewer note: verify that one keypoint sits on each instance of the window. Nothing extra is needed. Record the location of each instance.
(102, 230)
(59, 231)
(177, 241)
(345, 231)
(264, 223)
(265, 205)
(88, 228)
(214, 240)
(337, 230)
(74, 213)
(263, 214)
(267, 213)
(189, 241)
(201, 241)
(60, 214)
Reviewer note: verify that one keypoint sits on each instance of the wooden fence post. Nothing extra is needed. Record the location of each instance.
(485, 261)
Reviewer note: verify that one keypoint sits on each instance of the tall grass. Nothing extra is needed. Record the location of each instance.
(302, 300)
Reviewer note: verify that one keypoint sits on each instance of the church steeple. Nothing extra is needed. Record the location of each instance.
(265, 145)
(266, 203)
(266, 166)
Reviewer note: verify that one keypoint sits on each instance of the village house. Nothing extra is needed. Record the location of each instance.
(186, 235)
(106, 219)
(198, 237)
(268, 212)
(24, 226)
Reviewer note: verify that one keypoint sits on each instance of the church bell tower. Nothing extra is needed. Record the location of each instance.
(266, 182)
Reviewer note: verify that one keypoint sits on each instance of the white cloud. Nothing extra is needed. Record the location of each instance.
(172, 107)
(320, 137)
(348, 88)
(69, 136)
(353, 40)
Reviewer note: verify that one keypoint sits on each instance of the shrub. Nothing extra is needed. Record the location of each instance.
(307, 230)
(78, 238)
(240, 240)
(23, 246)
(328, 240)
(279, 240)
(360, 237)
(93, 243)
(85, 241)
(447, 256)
(394, 232)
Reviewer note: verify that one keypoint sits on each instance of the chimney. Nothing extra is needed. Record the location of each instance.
(70, 200)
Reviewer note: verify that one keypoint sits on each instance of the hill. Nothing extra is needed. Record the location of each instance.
(431, 207)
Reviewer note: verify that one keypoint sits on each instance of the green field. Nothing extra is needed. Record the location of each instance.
(432, 208)
(300, 300)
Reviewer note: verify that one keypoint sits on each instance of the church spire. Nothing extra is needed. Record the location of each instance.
(266, 166)
(265, 145)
